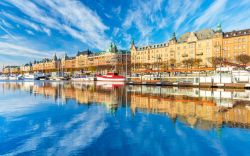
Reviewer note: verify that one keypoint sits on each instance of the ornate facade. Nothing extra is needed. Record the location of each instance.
(86, 61)
(47, 65)
(199, 46)
(8, 70)
(27, 68)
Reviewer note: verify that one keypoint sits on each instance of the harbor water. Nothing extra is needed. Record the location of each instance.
(97, 118)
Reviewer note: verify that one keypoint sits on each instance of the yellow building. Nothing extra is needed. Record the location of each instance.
(198, 46)
(68, 64)
(194, 45)
(235, 43)
(27, 68)
(82, 60)
(110, 60)
(47, 65)
(9, 70)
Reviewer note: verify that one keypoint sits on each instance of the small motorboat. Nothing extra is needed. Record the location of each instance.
(13, 77)
(83, 78)
(29, 76)
(113, 77)
(3, 77)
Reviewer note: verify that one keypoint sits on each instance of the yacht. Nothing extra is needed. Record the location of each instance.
(29, 76)
(13, 77)
(83, 78)
(113, 77)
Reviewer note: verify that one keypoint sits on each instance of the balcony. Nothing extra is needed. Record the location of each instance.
(199, 53)
(184, 55)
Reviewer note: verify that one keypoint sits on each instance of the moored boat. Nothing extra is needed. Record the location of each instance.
(111, 77)
(3, 77)
(13, 77)
(29, 76)
(83, 78)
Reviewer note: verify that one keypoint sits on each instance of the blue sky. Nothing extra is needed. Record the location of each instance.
(34, 29)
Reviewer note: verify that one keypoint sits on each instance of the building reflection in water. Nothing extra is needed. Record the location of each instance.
(198, 108)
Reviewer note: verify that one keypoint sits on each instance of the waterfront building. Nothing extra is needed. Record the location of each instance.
(198, 46)
(82, 60)
(47, 65)
(235, 43)
(27, 68)
(68, 64)
(110, 60)
(8, 70)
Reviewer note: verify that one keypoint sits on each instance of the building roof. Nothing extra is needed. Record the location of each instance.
(86, 52)
(236, 33)
(11, 67)
(201, 35)
(204, 34)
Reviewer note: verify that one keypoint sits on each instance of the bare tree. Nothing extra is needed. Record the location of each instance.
(243, 59)
(216, 61)
(189, 62)
(198, 62)
(186, 63)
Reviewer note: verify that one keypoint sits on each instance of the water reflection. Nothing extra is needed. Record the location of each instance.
(67, 118)
(201, 108)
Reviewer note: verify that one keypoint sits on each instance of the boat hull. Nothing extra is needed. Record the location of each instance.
(83, 79)
(98, 78)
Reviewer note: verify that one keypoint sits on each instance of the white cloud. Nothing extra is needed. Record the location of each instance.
(70, 17)
(25, 53)
(144, 17)
(187, 9)
(211, 14)
(30, 32)
(22, 21)
(5, 23)
(5, 37)
(7, 32)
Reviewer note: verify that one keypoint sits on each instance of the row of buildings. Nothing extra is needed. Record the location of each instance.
(199, 45)
(85, 61)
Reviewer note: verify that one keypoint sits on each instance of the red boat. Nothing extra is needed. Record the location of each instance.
(110, 77)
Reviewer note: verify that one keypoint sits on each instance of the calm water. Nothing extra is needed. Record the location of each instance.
(52, 118)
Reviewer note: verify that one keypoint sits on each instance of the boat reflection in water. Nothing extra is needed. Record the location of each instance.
(138, 118)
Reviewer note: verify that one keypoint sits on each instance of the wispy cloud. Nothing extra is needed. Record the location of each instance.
(183, 9)
(24, 53)
(211, 13)
(70, 17)
(145, 17)
(25, 22)
(7, 32)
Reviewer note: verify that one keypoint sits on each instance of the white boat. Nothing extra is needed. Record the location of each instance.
(29, 76)
(13, 77)
(3, 77)
(113, 77)
(83, 78)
